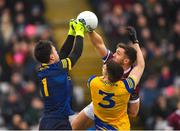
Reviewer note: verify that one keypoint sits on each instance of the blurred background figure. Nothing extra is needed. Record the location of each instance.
(174, 118)
(23, 22)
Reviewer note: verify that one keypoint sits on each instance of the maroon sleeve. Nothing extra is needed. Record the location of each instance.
(107, 57)
(135, 94)
(172, 120)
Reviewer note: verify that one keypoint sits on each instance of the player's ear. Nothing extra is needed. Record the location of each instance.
(126, 61)
(52, 57)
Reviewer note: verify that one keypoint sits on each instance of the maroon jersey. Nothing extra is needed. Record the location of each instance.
(174, 120)
(135, 94)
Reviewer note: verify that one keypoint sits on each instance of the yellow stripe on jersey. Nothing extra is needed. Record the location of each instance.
(44, 64)
(89, 80)
(129, 84)
(44, 81)
(134, 80)
(64, 63)
(69, 63)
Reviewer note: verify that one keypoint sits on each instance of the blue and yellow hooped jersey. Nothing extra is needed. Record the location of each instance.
(56, 89)
(110, 101)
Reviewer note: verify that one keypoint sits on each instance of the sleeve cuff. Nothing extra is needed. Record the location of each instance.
(134, 101)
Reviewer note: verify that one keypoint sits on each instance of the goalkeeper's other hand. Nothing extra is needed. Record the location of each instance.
(71, 28)
(132, 34)
(79, 28)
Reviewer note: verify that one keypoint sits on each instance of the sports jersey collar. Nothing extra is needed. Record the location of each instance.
(126, 71)
(44, 64)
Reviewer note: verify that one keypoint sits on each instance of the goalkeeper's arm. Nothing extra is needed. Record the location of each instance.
(68, 44)
(77, 50)
(67, 47)
(78, 47)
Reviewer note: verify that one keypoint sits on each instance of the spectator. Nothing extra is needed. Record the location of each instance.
(17, 78)
(176, 63)
(174, 118)
(166, 78)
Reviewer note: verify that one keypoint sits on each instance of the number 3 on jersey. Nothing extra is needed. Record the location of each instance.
(107, 98)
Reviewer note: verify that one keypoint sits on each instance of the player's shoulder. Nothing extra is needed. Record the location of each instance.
(129, 84)
(61, 64)
(91, 78)
(65, 63)
(127, 72)
(55, 66)
(46, 68)
(43, 66)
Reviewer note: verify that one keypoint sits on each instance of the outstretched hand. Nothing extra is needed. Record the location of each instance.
(71, 28)
(79, 28)
(132, 34)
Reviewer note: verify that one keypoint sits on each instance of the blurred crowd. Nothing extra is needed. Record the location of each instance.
(22, 23)
(158, 27)
(157, 22)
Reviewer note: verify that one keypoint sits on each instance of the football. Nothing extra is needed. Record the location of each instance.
(89, 19)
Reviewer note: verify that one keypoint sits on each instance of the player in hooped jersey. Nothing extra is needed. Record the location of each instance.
(110, 93)
(124, 55)
(55, 84)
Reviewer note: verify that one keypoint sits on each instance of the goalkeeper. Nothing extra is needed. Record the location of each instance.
(55, 83)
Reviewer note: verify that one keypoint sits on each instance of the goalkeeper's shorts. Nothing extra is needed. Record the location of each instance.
(54, 124)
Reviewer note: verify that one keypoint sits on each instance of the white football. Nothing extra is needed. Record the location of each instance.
(89, 19)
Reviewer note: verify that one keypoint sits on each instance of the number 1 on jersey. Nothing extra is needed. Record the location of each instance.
(44, 82)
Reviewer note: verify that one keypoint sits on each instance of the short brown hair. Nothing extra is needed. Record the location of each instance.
(43, 50)
(114, 70)
(129, 51)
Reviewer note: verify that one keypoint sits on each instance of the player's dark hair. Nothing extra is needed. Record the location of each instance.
(129, 51)
(42, 51)
(114, 70)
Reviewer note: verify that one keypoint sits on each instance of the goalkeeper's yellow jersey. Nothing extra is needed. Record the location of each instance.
(110, 101)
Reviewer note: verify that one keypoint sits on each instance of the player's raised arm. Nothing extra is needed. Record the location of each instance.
(78, 46)
(133, 107)
(68, 44)
(137, 71)
(98, 42)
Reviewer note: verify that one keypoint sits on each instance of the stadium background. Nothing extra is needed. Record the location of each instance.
(23, 22)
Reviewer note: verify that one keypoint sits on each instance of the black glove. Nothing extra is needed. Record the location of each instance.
(132, 34)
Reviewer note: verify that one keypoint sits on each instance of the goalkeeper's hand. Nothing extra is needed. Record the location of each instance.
(132, 34)
(79, 28)
(71, 28)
